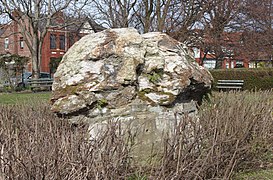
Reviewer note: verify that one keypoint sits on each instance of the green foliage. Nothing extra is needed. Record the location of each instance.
(54, 63)
(12, 66)
(260, 78)
(7, 89)
(18, 61)
(155, 75)
(101, 103)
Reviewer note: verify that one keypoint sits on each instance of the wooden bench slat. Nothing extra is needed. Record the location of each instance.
(229, 87)
(40, 83)
(45, 82)
(225, 80)
(37, 85)
(229, 84)
(44, 79)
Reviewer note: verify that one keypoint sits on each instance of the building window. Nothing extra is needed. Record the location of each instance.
(62, 42)
(21, 43)
(227, 65)
(196, 52)
(52, 41)
(209, 64)
(6, 43)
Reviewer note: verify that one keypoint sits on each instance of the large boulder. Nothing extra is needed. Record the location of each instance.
(146, 80)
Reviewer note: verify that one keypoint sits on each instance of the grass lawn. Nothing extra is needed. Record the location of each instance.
(17, 98)
(261, 175)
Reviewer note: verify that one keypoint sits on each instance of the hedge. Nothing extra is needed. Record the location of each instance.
(260, 78)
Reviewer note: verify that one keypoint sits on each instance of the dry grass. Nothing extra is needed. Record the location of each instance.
(236, 133)
(37, 145)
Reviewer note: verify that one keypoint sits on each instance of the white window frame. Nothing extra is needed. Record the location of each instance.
(227, 65)
(6, 43)
(209, 63)
(21, 43)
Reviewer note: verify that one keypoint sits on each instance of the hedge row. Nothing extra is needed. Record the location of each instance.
(260, 78)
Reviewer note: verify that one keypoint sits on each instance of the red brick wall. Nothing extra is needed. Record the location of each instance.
(48, 53)
(8, 34)
(12, 33)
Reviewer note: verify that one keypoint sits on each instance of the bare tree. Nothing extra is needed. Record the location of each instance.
(144, 15)
(35, 17)
(219, 17)
(114, 13)
(175, 17)
(184, 17)
(258, 29)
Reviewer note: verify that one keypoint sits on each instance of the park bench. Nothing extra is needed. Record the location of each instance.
(230, 85)
(40, 84)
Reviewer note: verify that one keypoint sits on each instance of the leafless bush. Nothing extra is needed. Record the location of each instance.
(235, 132)
(36, 145)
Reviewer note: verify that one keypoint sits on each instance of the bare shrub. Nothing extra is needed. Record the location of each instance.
(37, 145)
(235, 132)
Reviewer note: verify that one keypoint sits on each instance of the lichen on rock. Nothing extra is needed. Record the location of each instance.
(110, 62)
(119, 73)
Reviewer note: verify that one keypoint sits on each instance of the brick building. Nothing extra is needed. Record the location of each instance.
(231, 54)
(56, 42)
(11, 41)
(209, 60)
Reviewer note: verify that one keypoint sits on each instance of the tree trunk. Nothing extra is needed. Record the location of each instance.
(219, 64)
(35, 66)
(203, 58)
(35, 58)
(148, 11)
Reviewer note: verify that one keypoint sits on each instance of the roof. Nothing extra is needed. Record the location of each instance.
(3, 28)
(78, 24)
(74, 24)
(62, 20)
(95, 26)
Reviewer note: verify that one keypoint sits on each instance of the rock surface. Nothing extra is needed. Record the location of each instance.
(119, 74)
